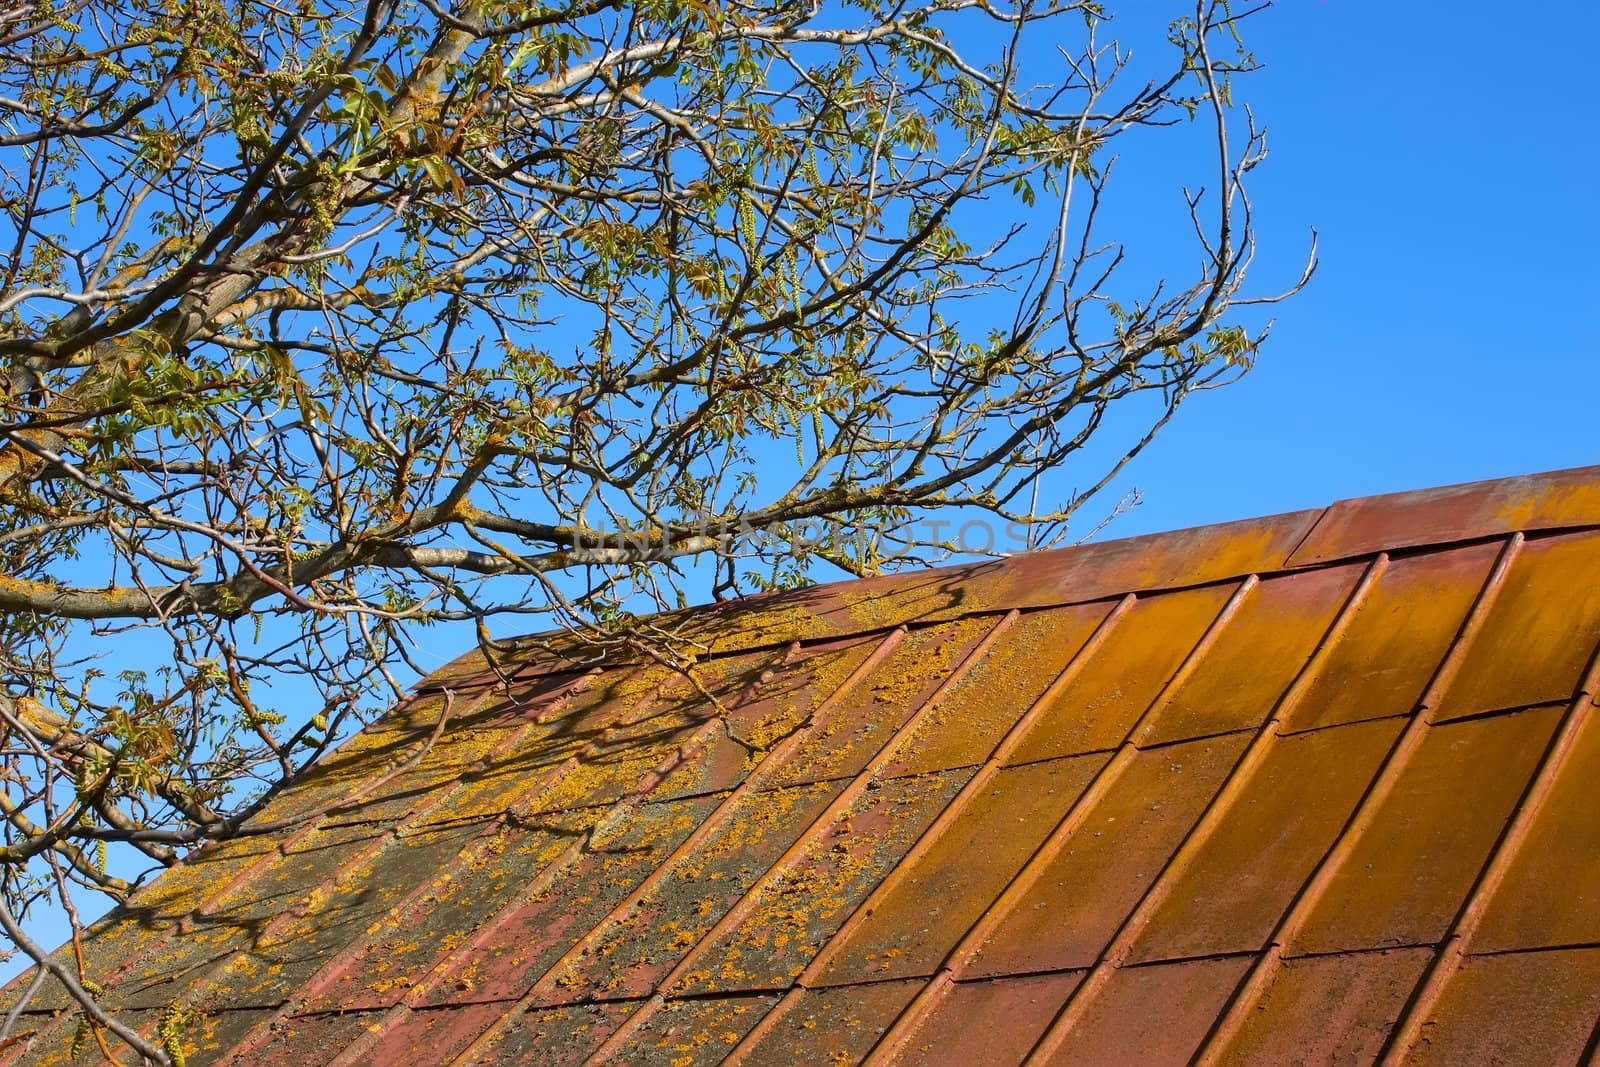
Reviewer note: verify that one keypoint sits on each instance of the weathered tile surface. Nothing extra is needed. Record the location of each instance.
(1317, 788)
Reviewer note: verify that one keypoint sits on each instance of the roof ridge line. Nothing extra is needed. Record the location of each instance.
(1348, 529)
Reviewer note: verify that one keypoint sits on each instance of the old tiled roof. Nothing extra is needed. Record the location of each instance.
(1313, 788)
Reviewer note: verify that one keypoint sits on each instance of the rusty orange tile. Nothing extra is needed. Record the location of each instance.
(434, 1035)
(1329, 1009)
(694, 1033)
(200, 1036)
(149, 922)
(1118, 682)
(799, 910)
(280, 957)
(1196, 556)
(941, 890)
(448, 774)
(1246, 874)
(857, 726)
(1091, 884)
(503, 959)
(1540, 633)
(396, 737)
(314, 1038)
(1054, 578)
(1454, 513)
(382, 963)
(152, 979)
(1396, 639)
(560, 731)
(466, 759)
(434, 778)
(971, 718)
(1409, 874)
(655, 719)
(1551, 895)
(873, 605)
(765, 702)
(1255, 657)
(630, 953)
(829, 1026)
(565, 1036)
(988, 1023)
(1522, 1007)
(1156, 1014)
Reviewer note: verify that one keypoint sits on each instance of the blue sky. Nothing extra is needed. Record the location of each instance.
(1441, 152)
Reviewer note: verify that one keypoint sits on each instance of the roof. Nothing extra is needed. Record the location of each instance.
(1316, 787)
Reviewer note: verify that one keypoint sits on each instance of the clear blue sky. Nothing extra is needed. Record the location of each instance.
(1443, 153)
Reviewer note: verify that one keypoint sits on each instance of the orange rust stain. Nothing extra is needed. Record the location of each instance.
(972, 717)
(1113, 689)
(1540, 633)
(1330, 1009)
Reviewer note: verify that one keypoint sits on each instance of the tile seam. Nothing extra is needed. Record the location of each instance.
(494, 824)
(1526, 950)
(740, 1052)
(865, 633)
(972, 787)
(185, 925)
(1477, 716)
(1322, 516)
(1114, 955)
(1591, 1050)
(1491, 878)
(470, 848)
(840, 804)
(211, 973)
(886, 645)
(1226, 1027)
(962, 955)
(623, 806)
(718, 817)
(1319, 523)
(1269, 569)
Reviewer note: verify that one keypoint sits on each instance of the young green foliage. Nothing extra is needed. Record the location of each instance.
(322, 322)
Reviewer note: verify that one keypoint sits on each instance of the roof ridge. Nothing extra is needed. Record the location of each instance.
(1347, 529)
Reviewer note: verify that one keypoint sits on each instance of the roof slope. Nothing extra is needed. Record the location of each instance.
(1317, 787)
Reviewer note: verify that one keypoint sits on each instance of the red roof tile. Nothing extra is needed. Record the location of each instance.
(1312, 788)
